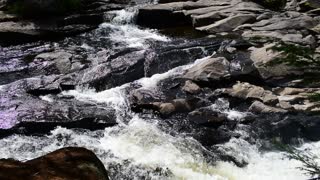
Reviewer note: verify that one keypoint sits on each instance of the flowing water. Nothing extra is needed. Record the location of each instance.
(141, 146)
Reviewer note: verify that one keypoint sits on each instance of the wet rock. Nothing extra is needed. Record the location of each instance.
(110, 74)
(191, 87)
(177, 105)
(207, 117)
(169, 108)
(287, 128)
(80, 163)
(208, 136)
(62, 60)
(249, 91)
(27, 31)
(259, 107)
(210, 69)
(33, 101)
(228, 24)
(179, 53)
(166, 108)
(143, 96)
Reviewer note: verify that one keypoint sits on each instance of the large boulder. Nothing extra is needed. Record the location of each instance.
(64, 164)
(210, 69)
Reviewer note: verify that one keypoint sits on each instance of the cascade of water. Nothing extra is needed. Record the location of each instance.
(137, 148)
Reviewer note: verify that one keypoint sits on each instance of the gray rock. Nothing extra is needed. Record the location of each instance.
(228, 24)
(191, 87)
(61, 59)
(210, 69)
(207, 117)
(32, 101)
(263, 56)
(249, 91)
(259, 107)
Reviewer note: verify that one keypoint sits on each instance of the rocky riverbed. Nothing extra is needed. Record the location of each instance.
(158, 90)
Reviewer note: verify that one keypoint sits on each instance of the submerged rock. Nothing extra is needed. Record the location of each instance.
(65, 164)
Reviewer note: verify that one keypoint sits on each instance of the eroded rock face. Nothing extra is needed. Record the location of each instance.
(67, 163)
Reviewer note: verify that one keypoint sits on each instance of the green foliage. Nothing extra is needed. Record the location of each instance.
(295, 55)
(58, 7)
(308, 160)
(315, 97)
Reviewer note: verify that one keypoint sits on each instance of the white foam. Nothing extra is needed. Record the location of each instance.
(124, 16)
(222, 105)
(112, 97)
(86, 46)
(145, 145)
(132, 36)
(47, 98)
(152, 82)
(262, 166)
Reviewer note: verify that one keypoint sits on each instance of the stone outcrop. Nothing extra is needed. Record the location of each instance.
(67, 163)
